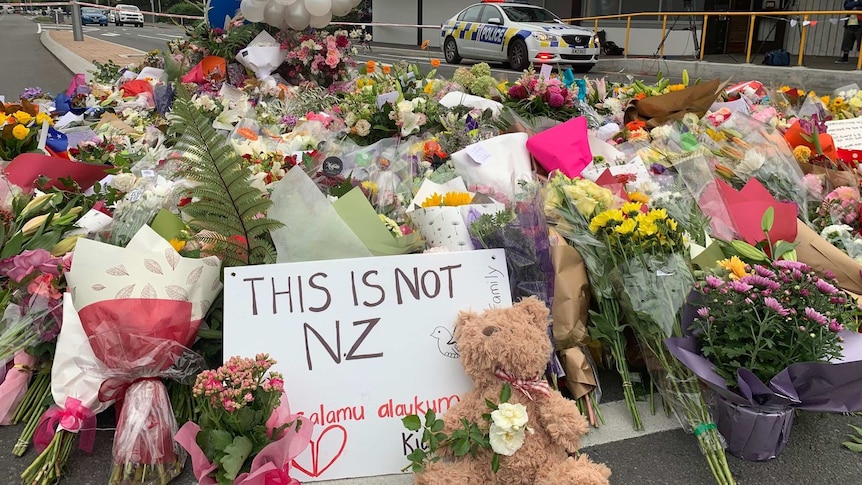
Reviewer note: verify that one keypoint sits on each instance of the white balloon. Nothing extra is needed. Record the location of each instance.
(252, 10)
(296, 16)
(340, 8)
(319, 22)
(273, 14)
(318, 8)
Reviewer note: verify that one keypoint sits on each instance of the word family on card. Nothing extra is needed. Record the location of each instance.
(362, 343)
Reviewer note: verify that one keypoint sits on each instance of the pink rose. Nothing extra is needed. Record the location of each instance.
(23, 265)
(556, 100)
(43, 286)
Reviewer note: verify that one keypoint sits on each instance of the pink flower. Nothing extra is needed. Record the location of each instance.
(775, 306)
(760, 281)
(740, 287)
(815, 316)
(834, 326)
(556, 100)
(714, 281)
(23, 265)
(518, 92)
(763, 271)
(703, 312)
(825, 287)
(43, 286)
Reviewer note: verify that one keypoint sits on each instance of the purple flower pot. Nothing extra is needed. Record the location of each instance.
(753, 434)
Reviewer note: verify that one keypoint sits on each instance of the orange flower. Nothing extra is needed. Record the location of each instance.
(435, 63)
(387, 69)
(425, 44)
(247, 133)
(635, 125)
(370, 67)
(640, 96)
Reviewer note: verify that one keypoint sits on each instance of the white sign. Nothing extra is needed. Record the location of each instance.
(362, 343)
(478, 154)
(545, 71)
(847, 134)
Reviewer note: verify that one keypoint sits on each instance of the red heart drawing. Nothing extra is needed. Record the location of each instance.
(316, 469)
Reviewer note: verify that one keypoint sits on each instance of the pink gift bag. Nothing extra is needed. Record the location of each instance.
(565, 147)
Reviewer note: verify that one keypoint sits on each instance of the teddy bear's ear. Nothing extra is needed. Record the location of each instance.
(536, 308)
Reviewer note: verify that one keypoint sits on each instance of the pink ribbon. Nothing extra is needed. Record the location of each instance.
(13, 389)
(536, 384)
(74, 417)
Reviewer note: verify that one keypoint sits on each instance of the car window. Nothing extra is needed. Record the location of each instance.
(489, 13)
(530, 14)
(471, 14)
(128, 7)
(90, 10)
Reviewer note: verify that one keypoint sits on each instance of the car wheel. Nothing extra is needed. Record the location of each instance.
(119, 24)
(450, 51)
(519, 56)
(582, 68)
(140, 25)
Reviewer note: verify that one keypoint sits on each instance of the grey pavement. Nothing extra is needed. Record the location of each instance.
(25, 62)
(664, 454)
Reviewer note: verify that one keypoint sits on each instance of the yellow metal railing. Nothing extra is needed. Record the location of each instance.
(805, 14)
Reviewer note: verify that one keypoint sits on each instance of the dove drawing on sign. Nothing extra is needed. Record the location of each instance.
(446, 343)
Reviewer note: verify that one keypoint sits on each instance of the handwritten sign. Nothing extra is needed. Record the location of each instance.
(847, 134)
(545, 71)
(362, 343)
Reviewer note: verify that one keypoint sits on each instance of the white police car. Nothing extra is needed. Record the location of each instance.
(519, 34)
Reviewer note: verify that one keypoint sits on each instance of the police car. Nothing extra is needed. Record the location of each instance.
(519, 34)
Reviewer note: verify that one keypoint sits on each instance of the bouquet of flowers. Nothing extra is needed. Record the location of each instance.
(651, 277)
(317, 56)
(246, 433)
(19, 128)
(534, 95)
(841, 206)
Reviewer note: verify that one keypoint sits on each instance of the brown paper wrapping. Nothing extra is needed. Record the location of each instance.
(657, 110)
(580, 378)
(818, 253)
(570, 309)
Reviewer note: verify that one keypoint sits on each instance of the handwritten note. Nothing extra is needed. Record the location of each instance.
(545, 72)
(362, 343)
(846, 133)
(384, 98)
(478, 154)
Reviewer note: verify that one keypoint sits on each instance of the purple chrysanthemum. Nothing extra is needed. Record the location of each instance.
(740, 287)
(825, 287)
(834, 326)
(815, 316)
(785, 264)
(761, 281)
(775, 306)
(763, 271)
(829, 274)
(703, 312)
(714, 281)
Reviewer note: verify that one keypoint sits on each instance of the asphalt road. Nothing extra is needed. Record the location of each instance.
(25, 62)
(144, 38)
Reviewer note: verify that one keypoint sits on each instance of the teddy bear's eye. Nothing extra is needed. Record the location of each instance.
(488, 331)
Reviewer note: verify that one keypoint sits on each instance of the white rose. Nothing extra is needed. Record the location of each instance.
(363, 127)
(124, 182)
(510, 416)
(506, 442)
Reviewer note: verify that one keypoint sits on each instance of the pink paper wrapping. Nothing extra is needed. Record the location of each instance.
(271, 466)
(565, 147)
(14, 387)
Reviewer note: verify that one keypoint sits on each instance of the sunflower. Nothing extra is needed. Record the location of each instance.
(627, 227)
(601, 220)
(639, 197)
(454, 199)
(647, 227)
(734, 265)
(657, 214)
(838, 102)
(433, 200)
(631, 208)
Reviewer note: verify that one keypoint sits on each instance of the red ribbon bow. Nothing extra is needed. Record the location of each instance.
(73, 417)
(536, 384)
(280, 476)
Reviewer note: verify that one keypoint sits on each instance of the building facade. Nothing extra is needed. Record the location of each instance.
(725, 34)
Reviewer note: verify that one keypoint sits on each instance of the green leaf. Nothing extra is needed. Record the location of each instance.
(495, 463)
(781, 248)
(235, 456)
(438, 426)
(412, 422)
(461, 447)
(491, 405)
(856, 447)
(768, 219)
(430, 416)
(505, 393)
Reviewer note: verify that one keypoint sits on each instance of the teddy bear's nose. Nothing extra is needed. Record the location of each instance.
(488, 331)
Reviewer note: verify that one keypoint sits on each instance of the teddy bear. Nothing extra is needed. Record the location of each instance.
(511, 345)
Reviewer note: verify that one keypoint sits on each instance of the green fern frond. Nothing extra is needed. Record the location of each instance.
(225, 207)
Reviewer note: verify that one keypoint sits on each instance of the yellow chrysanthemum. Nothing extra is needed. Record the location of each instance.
(627, 227)
(177, 244)
(454, 199)
(22, 117)
(370, 186)
(639, 197)
(647, 228)
(616, 215)
(601, 220)
(802, 153)
(433, 200)
(735, 266)
(672, 225)
(429, 88)
(631, 208)
(676, 87)
(838, 102)
(657, 214)
(20, 132)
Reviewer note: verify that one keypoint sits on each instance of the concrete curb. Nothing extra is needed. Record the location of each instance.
(73, 62)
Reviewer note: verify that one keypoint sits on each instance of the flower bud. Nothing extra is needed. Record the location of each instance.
(33, 225)
(65, 246)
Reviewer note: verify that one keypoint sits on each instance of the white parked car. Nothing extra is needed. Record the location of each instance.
(127, 14)
(518, 34)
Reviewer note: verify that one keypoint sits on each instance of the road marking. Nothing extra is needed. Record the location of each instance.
(38, 29)
(111, 34)
(172, 36)
(150, 37)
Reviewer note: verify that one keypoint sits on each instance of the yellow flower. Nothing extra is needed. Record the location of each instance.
(627, 227)
(783, 89)
(20, 132)
(647, 227)
(735, 266)
(802, 153)
(657, 214)
(838, 102)
(676, 87)
(433, 200)
(454, 199)
(370, 186)
(672, 225)
(639, 197)
(599, 221)
(616, 215)
(429, 88)
(42, 117)
(631, 208)
(177, 244)
(825, 99)
(22, 117)
(503, 87)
